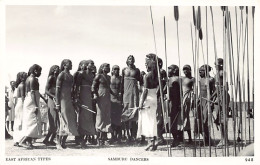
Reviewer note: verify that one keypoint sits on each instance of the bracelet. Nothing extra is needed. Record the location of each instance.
(58, 105)
(36, 107)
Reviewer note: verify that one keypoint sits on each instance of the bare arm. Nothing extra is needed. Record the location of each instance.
(122, 82)
(144, 93)
(58, 90)
(34, 86)
(95, 86)
(50, 80)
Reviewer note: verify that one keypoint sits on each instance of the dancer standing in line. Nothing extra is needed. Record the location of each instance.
(159, 113)
(7, 108)
(218, 98)
(174, 104)
(67, 116)
(130, 78)
(75, 95)
(147, 123)
(101, 89)
(83, 96)
(187, 86)
(11, 103)
(20, 95)
(52, 112)
(116, 105)
(203, 103)
(31, 125)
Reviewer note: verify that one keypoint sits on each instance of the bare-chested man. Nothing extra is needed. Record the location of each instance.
(174, 103)
(203, 104)
(116, 104)
(187, 88)
(130, 78)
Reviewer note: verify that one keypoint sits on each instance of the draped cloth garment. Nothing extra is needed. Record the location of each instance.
(17, 135)
(130, 99)
(31, 125)
(67, 116)
(147, 123)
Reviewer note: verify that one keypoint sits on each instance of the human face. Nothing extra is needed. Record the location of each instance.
(186, 71)
(106, 68)
(13, 84)
(56, 71)
(170, 71)
(91, 66)
(130, 60)
(38, 72)
(83, 66)
(202, 73)
(116, 71)
(68, 65)
(23, 77)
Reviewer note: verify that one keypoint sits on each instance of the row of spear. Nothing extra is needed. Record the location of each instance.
(234, 80)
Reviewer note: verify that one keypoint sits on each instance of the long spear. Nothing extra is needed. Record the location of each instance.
(237, 108)
(253, 90)
(194, 115)
(176, 16)
(166, 116)
(243, 78)
(196, 78)
(239, 79)
(224, 83)
(159, 75)
(248, 82)
(231, 78)
(216, 56)
(200, 37)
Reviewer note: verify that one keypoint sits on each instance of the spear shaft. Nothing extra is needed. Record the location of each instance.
(193, 55)
(176, 15)
(216, 56)
(248, 82)
(166, 115)
(231, 78)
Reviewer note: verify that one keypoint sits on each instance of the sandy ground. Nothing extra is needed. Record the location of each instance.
(126, 149)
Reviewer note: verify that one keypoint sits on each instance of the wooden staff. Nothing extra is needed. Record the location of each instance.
(236, 106)
(224, 83)
(248, 82)
(176, 16)
(216, 56)
(196, 73)
(166, 115)
(243, 79)
(239, 79)
(208, 91)
(196, 79)
(253, 90)
(200, 37)
(194, 115)
(230, 49)
(159, 75)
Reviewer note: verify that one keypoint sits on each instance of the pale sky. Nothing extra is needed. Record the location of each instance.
(46, 35)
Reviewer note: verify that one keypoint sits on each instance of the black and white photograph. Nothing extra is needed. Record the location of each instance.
(126, 83)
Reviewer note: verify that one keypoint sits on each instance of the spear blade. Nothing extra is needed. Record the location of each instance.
(253, 11)
(199, 19)
(194, 16)
(246, 9)
(176, 13)
(200, 34)
(241, 7)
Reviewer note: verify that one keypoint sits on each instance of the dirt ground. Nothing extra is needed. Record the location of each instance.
(126, 149)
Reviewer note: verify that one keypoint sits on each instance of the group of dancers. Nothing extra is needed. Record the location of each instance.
(89, 105)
